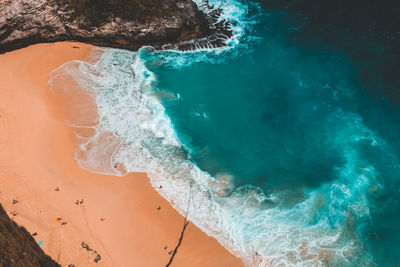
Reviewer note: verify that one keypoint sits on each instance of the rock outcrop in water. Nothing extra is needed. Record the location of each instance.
(17, 246)
(26, 22)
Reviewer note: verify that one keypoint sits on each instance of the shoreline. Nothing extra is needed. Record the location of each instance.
(118, 217)
(185, 27)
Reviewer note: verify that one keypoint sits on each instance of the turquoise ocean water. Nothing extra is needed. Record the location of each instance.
(279, 149)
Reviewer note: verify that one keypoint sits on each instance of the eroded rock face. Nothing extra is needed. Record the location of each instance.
(26, 22)
(17, 246)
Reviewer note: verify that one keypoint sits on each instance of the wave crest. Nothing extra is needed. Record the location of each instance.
(130, 132)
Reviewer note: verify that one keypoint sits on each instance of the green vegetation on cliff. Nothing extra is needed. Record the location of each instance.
(17, 246)
(99, 11)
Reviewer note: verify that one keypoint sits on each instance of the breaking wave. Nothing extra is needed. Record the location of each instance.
(132, 133)
(121, 127)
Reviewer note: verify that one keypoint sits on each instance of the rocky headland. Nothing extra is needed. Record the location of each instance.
(172, 24)
(17, 246)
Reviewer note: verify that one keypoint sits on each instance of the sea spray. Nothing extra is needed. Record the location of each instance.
(323, 222)
(246, 221)
(240, 18)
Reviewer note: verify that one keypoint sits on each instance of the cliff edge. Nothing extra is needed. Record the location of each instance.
(176, 23)
(17, 246)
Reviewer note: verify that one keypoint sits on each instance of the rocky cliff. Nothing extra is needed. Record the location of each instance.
(26, 22)
(17, 246)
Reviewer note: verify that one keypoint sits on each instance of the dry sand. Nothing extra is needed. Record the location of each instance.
(119, 216)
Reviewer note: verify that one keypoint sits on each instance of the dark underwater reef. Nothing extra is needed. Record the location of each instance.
(368, 34)
(367, 31)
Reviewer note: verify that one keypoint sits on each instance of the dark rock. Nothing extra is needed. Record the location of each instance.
(97, 259)
(17, 246)
(85, 246)
(26, 22)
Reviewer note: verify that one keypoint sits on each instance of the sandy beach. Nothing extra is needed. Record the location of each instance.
(124, 220)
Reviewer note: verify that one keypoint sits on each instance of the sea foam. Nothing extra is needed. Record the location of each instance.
(132, 133)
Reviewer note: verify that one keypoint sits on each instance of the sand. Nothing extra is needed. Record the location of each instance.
(118, 218)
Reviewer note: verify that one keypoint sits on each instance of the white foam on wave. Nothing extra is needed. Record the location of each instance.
(233, 12)
(241, 25)
(134, 132)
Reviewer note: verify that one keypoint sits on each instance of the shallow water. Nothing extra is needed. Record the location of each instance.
(281, 151)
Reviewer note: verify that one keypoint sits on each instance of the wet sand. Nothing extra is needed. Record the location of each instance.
(118, 217)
